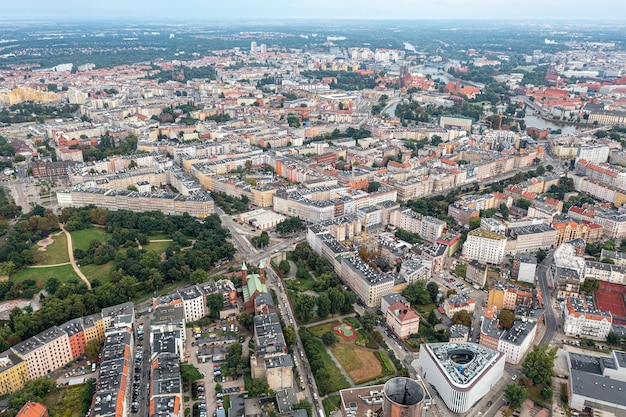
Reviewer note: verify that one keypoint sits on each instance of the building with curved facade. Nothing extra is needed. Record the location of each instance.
(462, 373)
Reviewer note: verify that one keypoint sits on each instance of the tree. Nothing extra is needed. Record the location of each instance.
(329, 338)
(523, 203)
(304, 405)
(539, 364)
(433, 289)
(258, 387)
(52, 285)
(506, 318)
(368, 320)
(462, 317)
(515, 395)
(416, 293)
(290, 335)
(613, 339)
(373, 186)
(215, 302)
(546, 392)
(284, 266)
(92, 349)
(541, 255)
(323, 305)
(246, 320)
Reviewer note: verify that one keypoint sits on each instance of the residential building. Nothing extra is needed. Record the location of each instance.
(476, 273)
(485, 246)
(32, 409)
(402, 320)
(457, 303)
(524, 267)
(368, 285)
(45, 352)
(514, 342)
(13, 373)
(582, 319)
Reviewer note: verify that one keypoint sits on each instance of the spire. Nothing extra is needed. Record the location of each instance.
(243, 266)
(261, 264)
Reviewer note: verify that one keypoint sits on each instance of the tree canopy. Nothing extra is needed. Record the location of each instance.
(539, 364)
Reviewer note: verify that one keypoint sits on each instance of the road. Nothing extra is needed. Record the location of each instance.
(544, 286)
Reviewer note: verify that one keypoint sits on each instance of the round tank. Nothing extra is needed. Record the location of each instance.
(403, 397)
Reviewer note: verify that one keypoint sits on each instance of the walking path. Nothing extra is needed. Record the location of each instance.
(47, 266)
(338, 365)
(70, 251)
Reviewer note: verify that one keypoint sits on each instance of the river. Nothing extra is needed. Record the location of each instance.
(391, 111)
(534, 121)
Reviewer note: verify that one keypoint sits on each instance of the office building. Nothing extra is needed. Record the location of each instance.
(462, 373)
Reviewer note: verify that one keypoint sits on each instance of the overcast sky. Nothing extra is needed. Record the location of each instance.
(315, 9)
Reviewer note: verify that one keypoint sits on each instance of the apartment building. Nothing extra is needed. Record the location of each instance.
(13, 373)
(458, 302)
(524, 267)
(484, 246)
(581, 319)
(507, 296)
(429, 228)
(45, 352)
(413, 270)
(369, 285)
(476, 273)
(600, 271)
(596, 153)
(111, 398)
(402, 320)
(531, 238)
(514, 342)
(199, 204)
(605, 173)
(32, 409)
(271, 360)
(194, 304)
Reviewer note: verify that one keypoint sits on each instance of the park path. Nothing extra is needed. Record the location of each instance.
(47, 266)
(328, 320)
(70, 250)
(338, 365)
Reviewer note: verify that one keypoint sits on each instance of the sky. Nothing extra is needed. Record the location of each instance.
(211, 10)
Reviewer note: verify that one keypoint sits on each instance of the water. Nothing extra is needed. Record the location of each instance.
(534, 121)
(391, 111)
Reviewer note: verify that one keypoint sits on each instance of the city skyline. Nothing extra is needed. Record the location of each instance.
(326, 9)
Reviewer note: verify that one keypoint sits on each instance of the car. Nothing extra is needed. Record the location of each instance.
(514, 377)
(489, 403)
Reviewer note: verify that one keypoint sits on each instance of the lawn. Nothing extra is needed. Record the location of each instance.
(425, 308)
(354, 322)
(362, 365)
(322, 328)
(100, 272)
(331, 403)
(158, 247)
(71, 401)
(300, 285)
(534, 393)
(82, 238)
(63, 273)
(54, 253)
